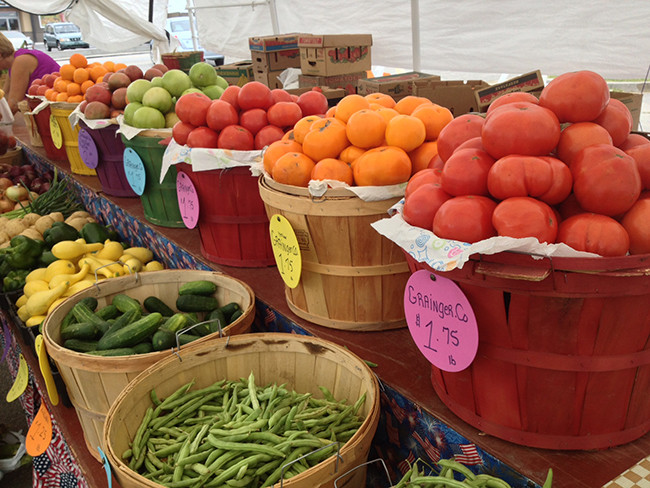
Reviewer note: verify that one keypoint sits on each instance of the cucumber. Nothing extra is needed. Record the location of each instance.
(143, 348)
(80, 345)
(198, 287)
(83, 313)
(118, 351)
(131, 334)
(123, 320)
(235, 316)
(176, 322)
(187, 338)
(218, 320)
(69, 318)
(155, 304)
(229, 309)
(108, 312)
(85, 330)
(91, 302)
(196, 303)
(163, 339)
(124, 302)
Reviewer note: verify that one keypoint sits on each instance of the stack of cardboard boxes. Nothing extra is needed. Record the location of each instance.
(238, 73)
(271, 55)
(336, 61)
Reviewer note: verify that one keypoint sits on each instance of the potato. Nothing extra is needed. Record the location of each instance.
(13, 228)
(4, 237)
(30, 219)
(43, 223)
(57, 216)
(32, 234)
(77, 214)
(77, 223)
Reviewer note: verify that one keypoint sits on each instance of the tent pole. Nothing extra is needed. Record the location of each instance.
(415, 33)
(274, 17)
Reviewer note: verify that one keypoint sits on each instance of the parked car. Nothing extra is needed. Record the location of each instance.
(63, 35)
(18, 39)
(179, 27)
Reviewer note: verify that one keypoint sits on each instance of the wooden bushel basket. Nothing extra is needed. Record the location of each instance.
(94, 382)
(302, 363)
(353, 278)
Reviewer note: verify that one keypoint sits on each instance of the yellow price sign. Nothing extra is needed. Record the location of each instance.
(55, 132)
(285, 250)
(20, 383)
(39, 435)
(46, 371)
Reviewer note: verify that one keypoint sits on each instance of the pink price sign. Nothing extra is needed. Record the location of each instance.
(188, 200)
(441, 321)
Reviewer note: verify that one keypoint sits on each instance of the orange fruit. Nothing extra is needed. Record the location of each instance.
(61, 85)
(119, 66)
(50, 94)
(387, 113)
(78, 60)
(277, 149)
(85, 85)
(434, 117)
(331, 112)
(350, 104)
(405, 131)
(75, 99)
(332, 169)
(409, 103)
(288, 136)
(61, 97)
(366, 129)
(97, 72)
(301, 127)
(384, 165)
(382, 99)
(422, 155)
(293, 168)
(67, 71)
(80, 75)
(109, 65)
(326, 139)
(73, 89)
(351, 153)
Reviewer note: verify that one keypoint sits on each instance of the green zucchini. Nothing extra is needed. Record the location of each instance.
(123, 320)
(198, 287)
(131, 334)
(155, 304)
(80, 345)
(80, 330)
(196, 303)
(124, 302)
(118, 351)
(143, 348)
(217, 320)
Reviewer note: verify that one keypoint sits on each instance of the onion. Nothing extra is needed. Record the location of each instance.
(28, 168)
(6, 205)
(15, 171)
(44, 187)
(16, 193)
(5, 183)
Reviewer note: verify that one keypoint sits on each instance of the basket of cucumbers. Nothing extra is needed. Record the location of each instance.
(105, 335)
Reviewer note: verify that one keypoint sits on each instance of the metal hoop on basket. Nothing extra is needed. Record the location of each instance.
(131, 272)
(187, 329)
(365, 464)
(336, 465)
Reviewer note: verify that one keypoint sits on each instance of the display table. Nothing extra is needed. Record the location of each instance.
(414, 422)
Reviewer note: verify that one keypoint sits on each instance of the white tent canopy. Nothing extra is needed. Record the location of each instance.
(470, 36)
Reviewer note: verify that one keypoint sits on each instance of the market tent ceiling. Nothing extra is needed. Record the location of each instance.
(470, 36)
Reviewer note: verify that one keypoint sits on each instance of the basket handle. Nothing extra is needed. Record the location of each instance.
(390, 482)
(336, 466)
(187, 329)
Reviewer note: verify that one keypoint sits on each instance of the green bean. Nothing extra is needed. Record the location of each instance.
(199, 437)
(430, 480)
(178, 470)
(252, 392)
(127, 454)
(456, 466)
(245, 446)
(245, 481)
(193, 458)
(327, 394)
(137, 439)
(154, 397)
(177, 394)
(232, 470)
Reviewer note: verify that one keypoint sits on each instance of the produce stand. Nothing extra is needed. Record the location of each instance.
(414, 422)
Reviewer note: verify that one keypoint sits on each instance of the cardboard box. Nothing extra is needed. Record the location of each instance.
(348, 82)
(269, 78)
(397, 86)
(274, 43)
(528, 82)
(329, 55)
(457, 95)
(276, 60)
(333, 95)
(633, 101)
(238, 73)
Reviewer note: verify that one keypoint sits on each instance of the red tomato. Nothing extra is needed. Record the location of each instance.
(617, 120)
(231, 95)
(459, 130)
(520, 128)
(423, 203)
(192, 108)
(202, 137)
(280, 95)
(253, 119)
(267, 135)
(422, 177)
(254, 95)
(596, 233)
(570, 207)
(519, 176)
(221, 114)
(474, 143)
(466, 172)
(636, 222)
(512, 97)
(284, 114)
(236, 137)
(562, 182)
(180, 131)
(312, 102)
(436, 162)
(605, 180)
(575, 137)
(467, 218)
(634, 140)
(641, 155)
(579, 96)
(525, 217)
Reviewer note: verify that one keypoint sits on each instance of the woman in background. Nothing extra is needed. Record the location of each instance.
(24, 66)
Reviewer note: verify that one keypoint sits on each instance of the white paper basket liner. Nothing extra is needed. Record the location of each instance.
(76, 115)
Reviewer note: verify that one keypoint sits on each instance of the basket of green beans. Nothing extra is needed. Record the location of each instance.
(255, 410)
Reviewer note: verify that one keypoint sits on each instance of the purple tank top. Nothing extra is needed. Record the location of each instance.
(46, 64)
